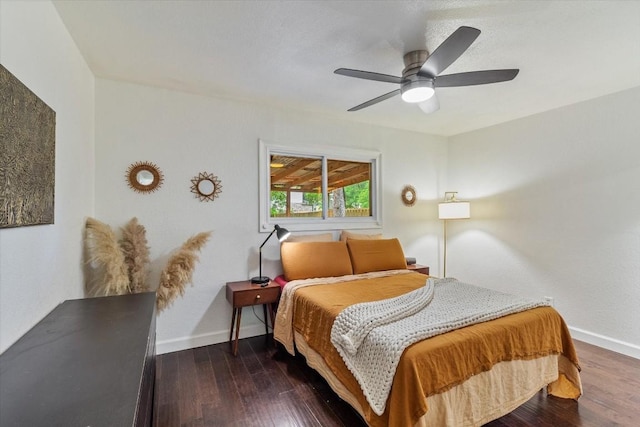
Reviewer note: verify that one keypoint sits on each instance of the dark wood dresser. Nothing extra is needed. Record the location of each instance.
(90, 362)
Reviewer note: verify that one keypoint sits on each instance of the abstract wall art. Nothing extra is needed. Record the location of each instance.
(27, 155)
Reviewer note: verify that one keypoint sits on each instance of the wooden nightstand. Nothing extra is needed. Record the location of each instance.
(419, 268)
(244, 294)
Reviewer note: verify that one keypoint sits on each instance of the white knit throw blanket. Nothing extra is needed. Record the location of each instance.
(283, 329)
(372, 336)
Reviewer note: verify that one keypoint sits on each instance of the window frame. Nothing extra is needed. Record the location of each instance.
(324, 223)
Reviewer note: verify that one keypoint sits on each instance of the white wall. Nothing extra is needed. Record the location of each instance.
(40, 266)
(187, 134)
(556, 196)
(556, 212)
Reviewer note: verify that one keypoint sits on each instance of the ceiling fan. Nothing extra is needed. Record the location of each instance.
(421, 75)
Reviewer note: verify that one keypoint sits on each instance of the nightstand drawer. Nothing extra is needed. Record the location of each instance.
(256, 296)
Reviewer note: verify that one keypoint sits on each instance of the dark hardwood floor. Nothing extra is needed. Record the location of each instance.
(208, 386)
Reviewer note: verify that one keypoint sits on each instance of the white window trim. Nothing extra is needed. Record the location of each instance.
(267, 223)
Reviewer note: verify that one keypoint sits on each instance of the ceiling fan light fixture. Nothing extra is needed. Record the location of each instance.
(422, 70)
(417, 91)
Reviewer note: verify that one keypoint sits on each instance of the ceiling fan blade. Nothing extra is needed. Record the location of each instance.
(448, 51)
(375, 100)
(368, 75)
(431, 105)
(475, 78)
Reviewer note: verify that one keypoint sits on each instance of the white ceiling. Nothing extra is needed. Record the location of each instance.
(283, 53)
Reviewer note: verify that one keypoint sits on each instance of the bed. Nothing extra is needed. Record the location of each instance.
(466, 377)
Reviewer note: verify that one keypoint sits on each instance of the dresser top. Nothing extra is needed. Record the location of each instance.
(81, 365)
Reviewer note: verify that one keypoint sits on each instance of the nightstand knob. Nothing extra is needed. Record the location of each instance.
(258, 296)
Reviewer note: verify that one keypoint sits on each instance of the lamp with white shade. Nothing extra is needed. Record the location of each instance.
(451, 208)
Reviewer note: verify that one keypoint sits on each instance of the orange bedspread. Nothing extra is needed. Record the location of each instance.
(436, 364)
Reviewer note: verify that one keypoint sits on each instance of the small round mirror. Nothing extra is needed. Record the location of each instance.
(408, 195)
(144, 177)
(206, 186)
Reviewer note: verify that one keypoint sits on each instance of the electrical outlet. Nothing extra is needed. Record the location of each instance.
(549, 300)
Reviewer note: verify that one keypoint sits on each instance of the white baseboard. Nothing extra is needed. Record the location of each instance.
(184, 343)
(193, 341)
(606, 342)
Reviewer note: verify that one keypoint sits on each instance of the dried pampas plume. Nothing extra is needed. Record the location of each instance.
(122, 267)
(179, 270)
(104, 251)
(136, 255)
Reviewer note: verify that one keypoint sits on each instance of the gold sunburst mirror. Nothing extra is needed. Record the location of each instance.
(409, 196)
(144, 177)
(206, 186)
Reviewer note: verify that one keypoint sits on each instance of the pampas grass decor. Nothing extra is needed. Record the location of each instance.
(179, 270)
(136, 255)
(104, 251)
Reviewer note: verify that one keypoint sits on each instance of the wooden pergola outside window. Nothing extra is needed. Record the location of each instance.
(296, 187)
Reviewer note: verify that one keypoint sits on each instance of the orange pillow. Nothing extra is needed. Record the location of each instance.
(305, 260)
(376, 255)
(346, 235)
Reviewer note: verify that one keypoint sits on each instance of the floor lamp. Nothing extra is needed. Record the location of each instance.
(451, 208)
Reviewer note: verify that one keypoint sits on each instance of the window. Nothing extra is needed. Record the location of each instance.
(318, 188)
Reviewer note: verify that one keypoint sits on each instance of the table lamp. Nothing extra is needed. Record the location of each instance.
(282, 234)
